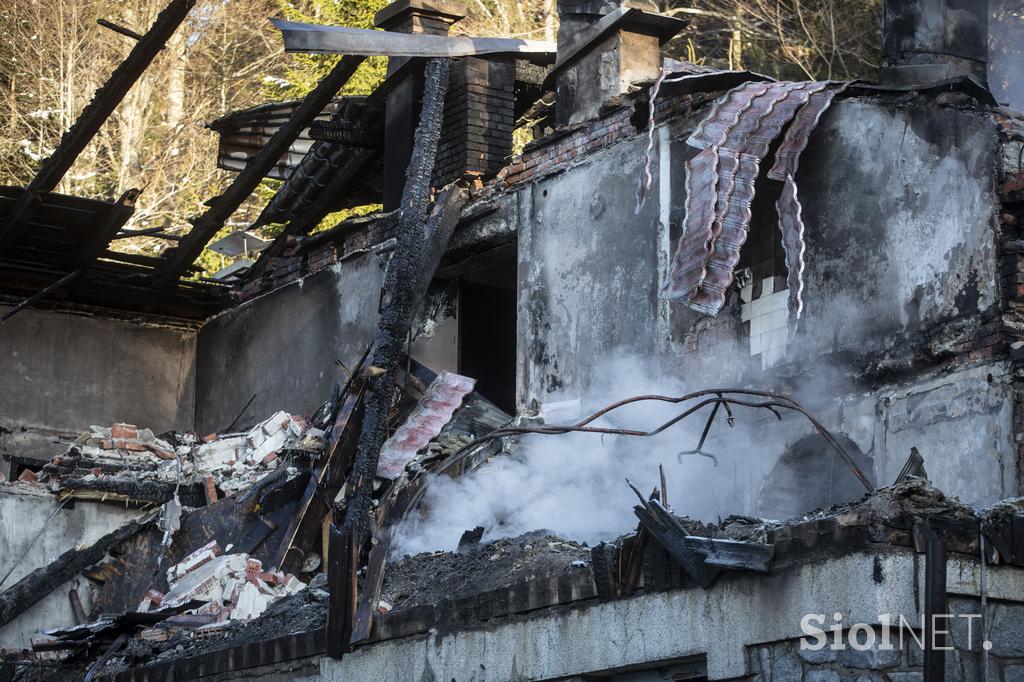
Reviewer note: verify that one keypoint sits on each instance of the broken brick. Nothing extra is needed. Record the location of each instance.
(210, 487)
(125, 431)
(28, 476)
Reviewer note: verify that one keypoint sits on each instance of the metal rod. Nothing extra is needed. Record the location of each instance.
(721, 395)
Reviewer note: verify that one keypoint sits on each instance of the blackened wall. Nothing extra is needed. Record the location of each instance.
(282, 347)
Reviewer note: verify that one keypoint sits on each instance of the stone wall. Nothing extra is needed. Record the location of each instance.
(902, 660)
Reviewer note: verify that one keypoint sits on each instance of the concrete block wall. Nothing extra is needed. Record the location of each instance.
(281, 347)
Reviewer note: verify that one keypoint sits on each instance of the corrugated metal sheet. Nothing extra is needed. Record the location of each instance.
(735, 137)
(694, 246)
(791, 225)
(742, 162)
(440, 401)
(712, 131)
(787, 158)
(313, 172)
(243, 133)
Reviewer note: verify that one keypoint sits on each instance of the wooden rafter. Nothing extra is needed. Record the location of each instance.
(93, 116)
(206, 226)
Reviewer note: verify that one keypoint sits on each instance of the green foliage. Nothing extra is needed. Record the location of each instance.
(306, 70)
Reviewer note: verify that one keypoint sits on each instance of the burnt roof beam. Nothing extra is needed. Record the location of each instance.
(206, 226)
(103, 103)
(303, 223)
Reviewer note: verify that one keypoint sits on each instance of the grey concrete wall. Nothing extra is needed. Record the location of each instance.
(282, 346)
(588, 275)
(62, 372)
(28, 523)
(728, 623)
(899, 207)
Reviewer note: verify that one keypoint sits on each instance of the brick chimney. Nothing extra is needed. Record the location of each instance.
(925, 41)
(433, 17)
(479, 112)
(603, 47)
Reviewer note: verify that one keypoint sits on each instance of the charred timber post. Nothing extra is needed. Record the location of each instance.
(207, 225)
(31, 589)
(401, 292)
(92, 117)
(341, 573)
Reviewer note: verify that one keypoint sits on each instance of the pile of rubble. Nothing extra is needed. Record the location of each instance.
(126, 463)
(436, 576)
(230, 586)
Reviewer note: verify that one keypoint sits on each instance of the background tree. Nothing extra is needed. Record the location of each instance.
(227, 56)
(790, 39)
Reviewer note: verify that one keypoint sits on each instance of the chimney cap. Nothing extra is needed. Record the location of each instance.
(443, 10)
(625, 18)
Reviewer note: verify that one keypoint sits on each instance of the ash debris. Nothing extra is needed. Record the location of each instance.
(437, 576)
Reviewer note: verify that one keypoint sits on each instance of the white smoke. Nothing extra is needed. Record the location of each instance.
(574, 484)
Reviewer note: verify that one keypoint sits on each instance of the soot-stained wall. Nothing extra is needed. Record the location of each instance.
(588, 276)
(899, 207)
(62, 372)
(282, 347)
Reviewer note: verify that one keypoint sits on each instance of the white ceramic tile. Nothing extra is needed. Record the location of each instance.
(755, 344)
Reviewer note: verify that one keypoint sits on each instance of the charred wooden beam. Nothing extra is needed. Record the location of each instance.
(310, 217)
(108, 226)
(155, 492)
(401, 296)
(221, 207)
(32, 588)
(93, 116)
(341, 578)
(306, 522)
(41, 294)
(117, 28)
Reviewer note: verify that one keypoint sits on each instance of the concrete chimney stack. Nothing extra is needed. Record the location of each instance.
(925, 41)
(603, 47)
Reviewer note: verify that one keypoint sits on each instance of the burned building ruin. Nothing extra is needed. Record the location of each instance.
(793, 308)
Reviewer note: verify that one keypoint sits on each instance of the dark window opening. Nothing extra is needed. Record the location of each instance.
(487, 330)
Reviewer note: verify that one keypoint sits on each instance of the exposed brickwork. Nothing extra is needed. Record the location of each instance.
(625, 120)
(476, 137)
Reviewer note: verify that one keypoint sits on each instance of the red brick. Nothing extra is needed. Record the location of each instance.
(124, 431)
(28, 476)
(1013, 183)
(210, 487)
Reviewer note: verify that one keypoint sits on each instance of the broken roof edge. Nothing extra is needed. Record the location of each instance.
(314, 38)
